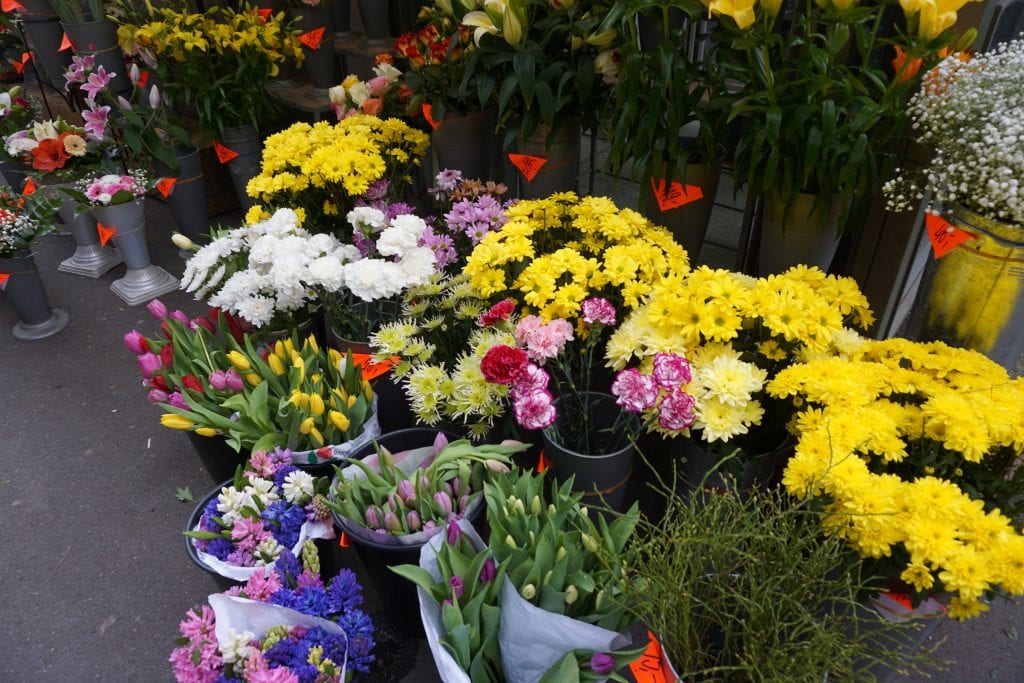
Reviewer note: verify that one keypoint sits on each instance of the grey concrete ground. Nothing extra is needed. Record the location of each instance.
(93, 573)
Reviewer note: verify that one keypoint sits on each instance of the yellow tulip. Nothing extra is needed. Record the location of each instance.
(299, 399)
(740, 11)
(297, 362)
(253, 379)
(276, 366)
(307, 425)
(206, 431)
(316, 404)
(311, 343)
(240, 362)
(289, 347)
(771, 7)
(176, 421)
(339, 420)
(279, 349)
(317, 437)
(351, 401)
(367, 390)
(334, 356)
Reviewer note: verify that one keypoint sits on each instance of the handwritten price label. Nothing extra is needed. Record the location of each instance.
(371, 367)
(29, 188)
(311, 39)
(4, 277)
(677, 195)
(651, 666)
(224, 154)
(944, 236)
(166, 186)
(106, 234)
(20, 66)
(528, 165)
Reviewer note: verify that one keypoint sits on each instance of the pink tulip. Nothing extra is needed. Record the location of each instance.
(149, 363)
(218, 380)
(157, 308)
(234, 380)
(136, 343)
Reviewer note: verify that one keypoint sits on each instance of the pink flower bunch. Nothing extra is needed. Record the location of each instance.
(599, 311)
(104, 190)
(660, 392)
(543, 340)
(532, 402)
(199, 659)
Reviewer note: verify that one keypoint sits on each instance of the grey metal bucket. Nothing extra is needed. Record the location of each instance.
(244, 141)
(143, 281)
(187, 199)
(689, 222)
(466, 142)
(44, 37)
(90, 259)
(23, 288)
(99, 39)
(809, 237)
(321, 64)
(560, 171)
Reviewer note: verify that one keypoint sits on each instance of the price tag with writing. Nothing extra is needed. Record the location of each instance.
(944, 236)
(312, 38)
(527, 164)
(224, 154)
(676, 195)
(651, 666)
(143, 78)
(4, 277)
(29, 188)
(65, 44)
(166, 186)
(12, 6)
(428, 114)
(106, 234)
(371, 367)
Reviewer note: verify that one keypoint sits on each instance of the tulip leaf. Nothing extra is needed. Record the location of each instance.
(420, 577)
(565, 670)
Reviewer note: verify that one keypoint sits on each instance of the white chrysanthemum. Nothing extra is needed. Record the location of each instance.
(258, 310)
(235, 647)
(298, 487)
(729, 380)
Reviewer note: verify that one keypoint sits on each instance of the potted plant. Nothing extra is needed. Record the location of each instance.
(820, 113)
(23, 220)
(965, 113)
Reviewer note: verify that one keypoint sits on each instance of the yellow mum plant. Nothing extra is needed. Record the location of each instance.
(914, 449)
(324, 168)
(553, 253)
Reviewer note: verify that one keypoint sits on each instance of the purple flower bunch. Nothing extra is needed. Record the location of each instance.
(93, 81)
(659, 394)
(469, 210)
(255, 520)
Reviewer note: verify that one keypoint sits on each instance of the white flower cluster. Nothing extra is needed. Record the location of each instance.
(971, 113)
(258, 495)
(258, 271)
(372, 279)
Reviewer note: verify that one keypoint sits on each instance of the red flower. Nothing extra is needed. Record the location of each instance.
(383, 58)
(192, 382)
(158, 382)
(503, 364)
(205, 322)
(167, 355)
(166, 329)
(49, 155)
(499, 311)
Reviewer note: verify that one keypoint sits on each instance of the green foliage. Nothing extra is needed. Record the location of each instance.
(184, 494)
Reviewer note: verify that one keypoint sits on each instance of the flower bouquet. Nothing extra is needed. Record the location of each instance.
(23, 221)
(384, 95)
(57, 149)
(16, 112)
(110, 189)
(319, 632)
(324, 169)
(912, 450)
(270, 506)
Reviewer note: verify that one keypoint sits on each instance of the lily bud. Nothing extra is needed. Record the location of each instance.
(123, 103)
(444, 501)
(446, 6)
(589, 543)
(133, 74)
(529, 591)
(605, 38)
(182, 242)
(154, 97)
(571, 594)
(512, 26)
(412, 520)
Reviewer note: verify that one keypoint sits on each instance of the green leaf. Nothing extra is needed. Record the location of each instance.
(421, 577)
(184, 494)
(565, 670)
(525, 70)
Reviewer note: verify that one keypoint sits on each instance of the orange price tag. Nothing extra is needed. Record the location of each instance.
(528, 165)
(542, 463)
(143, 78)
(165, 186)
(944, 236)
(428, 114)
(3, 280)
(902, 598)
(373, 368)
(264, 13)
(12, 6)
(311, 39)
(65, 44)
(676, 196)
(20, 66)
(651, 666)
(224, 154)
(343, 540)
(29, 188)
(105, 233)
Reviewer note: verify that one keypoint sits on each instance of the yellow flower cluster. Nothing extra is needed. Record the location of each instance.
(913, 446)
(177, 35)
(324, 167)
(553, 253)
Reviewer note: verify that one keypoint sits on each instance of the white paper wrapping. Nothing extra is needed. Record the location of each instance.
(309, 530)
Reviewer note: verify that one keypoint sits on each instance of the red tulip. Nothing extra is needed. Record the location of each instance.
(192, 382)
(167, 355)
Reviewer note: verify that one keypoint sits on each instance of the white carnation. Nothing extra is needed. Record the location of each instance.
(327, 272)
(366, 217)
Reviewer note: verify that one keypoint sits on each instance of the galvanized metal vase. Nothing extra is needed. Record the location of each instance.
(23, 288)
(809, 236)
(90, 259)
(974, 295)
(143, 281)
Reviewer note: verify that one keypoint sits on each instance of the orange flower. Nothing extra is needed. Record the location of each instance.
(905, 68)
(49, 155)
(383, 58)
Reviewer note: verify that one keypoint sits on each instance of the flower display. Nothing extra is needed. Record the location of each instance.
(384, 95)
(912, 448)
(59, 148)
(23, 221)
(734, 333)
(16, 111)
(967, 112)
(467, 210)
(218, 62)
(417, 491)
(270, 506)
(323, 168)
(111, 188)
(553, 253)
(435, 65)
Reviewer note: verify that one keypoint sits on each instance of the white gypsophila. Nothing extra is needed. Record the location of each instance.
(971, 114)
(297, 487)
(327, 272)
(373, 220)
(236, 646)
(266, 552)
(401, 236)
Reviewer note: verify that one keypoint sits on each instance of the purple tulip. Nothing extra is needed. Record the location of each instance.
(456, 584)
(463, 503)
(157, 308)
(406, 491)
(234, 380)
(454, 533)
(601, 663)
(136, 343)
(456, 486)
(218, 380)
(149, 363)
(429, 524)
(412, 520)
(157, 396)
(392, 503)
(424, 483)
(488, 571)
(373, 516)
(175, 399)
(391, 522)
(182, 318)
(444, 501)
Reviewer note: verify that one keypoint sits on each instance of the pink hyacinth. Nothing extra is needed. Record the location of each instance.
(676, 411)
(636, 391)
(598, 310)
(262, 584)
(278, 675)
(534, 411)
(671, 370)
(197, 626)
(246, 529)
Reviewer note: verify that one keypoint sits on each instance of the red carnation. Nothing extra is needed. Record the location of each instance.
(503, 364)
(192, 382)
(499, 311)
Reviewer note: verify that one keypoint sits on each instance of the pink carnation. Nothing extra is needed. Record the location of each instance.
(676, 411)
(598, 310)
(671, 371)
(636, 392)
(532, 378)
(534, 411)
(543, 341)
